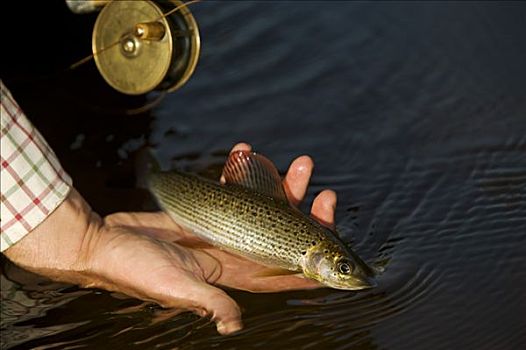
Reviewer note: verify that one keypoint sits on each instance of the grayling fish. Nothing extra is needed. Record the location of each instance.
(250, 216)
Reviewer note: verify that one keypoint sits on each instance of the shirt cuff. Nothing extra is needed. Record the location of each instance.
(33, 183)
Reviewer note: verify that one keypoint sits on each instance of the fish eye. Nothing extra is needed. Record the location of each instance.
(345, 267)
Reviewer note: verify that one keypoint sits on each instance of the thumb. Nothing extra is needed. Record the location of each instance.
(223, 310)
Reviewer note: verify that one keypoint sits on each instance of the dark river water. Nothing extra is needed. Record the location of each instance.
(415, 113)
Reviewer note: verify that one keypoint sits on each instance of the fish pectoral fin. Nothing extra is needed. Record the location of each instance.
(254, 171)
(271, 272)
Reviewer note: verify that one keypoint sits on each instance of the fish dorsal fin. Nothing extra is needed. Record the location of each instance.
(254, 171)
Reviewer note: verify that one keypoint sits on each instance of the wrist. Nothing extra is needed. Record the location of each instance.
(60, 246)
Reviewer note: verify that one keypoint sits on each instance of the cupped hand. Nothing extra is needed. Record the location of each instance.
(186, 269)
(149, 256)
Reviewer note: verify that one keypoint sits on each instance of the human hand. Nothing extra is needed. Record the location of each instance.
(148, 256)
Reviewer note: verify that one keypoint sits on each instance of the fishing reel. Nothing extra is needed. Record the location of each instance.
(146, 45)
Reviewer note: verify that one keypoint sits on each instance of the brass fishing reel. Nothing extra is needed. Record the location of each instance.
(140, 46)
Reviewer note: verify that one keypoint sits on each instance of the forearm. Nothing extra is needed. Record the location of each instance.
(46, 226)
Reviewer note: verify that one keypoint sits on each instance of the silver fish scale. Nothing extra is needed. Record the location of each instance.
(240, 220)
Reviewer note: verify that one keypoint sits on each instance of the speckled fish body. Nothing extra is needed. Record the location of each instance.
(237, 219)
(250, 216)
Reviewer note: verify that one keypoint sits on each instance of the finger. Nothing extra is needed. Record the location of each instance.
(202, 299)
(297, 179)
(280, 284)
(241, 146)
(240, 273)
(323, 208)
(223, 310)
(158, 224)
(147, 219)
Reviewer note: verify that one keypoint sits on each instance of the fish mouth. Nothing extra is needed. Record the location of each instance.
(366, 283)
(357, 283)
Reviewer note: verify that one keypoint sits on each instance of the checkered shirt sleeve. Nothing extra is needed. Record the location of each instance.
(32, 179)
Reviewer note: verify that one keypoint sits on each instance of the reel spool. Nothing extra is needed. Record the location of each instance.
(137, 49)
